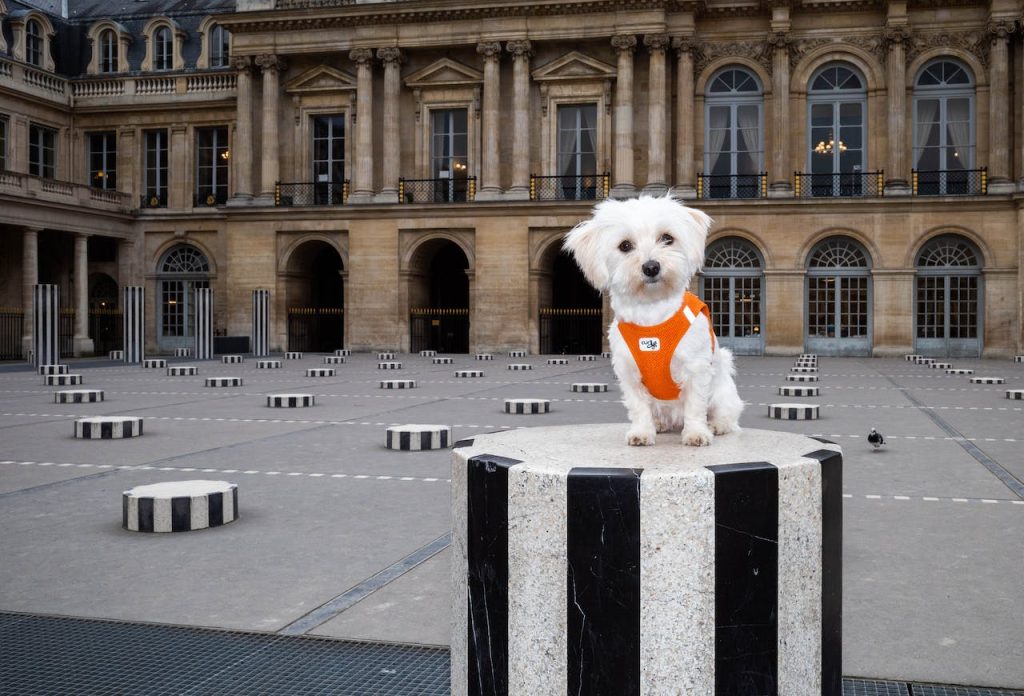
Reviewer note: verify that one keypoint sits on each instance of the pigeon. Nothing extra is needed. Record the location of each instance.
(875, 438)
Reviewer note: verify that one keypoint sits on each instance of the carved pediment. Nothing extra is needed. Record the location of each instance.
(444, 73)
(574, 66)
(322, 78)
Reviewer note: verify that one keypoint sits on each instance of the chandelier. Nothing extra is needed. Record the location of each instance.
(823, 148)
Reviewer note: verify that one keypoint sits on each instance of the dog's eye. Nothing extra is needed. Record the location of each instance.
(625, 246)
(667, 239)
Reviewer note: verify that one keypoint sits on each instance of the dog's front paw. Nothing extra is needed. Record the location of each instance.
(723, 427)
(637, 437)
(697, 438)
(660, 426)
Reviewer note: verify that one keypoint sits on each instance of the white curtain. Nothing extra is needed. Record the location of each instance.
(748, 119)
(958, 117)
(926, 112)
(718, 122)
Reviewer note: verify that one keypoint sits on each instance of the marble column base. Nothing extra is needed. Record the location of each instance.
(490, 194)
(623, 191)
(518, 193)
(731, 584)
(780, 190)
(1001, 186)
(898, 188)
(685, 192)
(239, 199)
(655, 189)
(387, 196)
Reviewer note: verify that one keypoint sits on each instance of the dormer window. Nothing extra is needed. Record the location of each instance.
(33, 43)
(163, 49)
(219, 46)
(108, 51)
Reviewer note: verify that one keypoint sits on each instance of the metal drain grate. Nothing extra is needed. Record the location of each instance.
(942, 690)
(872, 687)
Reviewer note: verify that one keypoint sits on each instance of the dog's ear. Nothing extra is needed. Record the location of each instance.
(701, 222)
(584, 241)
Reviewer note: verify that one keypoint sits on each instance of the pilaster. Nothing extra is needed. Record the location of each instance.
(241, 147)
(685, 184)
(999, 116)
(623, 183)
(781, 162)
(656, 115)
(362, 186)
(896, 37)
(490, 185)
(271, 66)
(29, 278)
(521, 52)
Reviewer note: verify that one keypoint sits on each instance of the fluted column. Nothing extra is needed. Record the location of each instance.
(29, 279)
(896, 38)
(521, 52)
(657, 137)
(623, 184)
(362, 187)
(490, 183)
(685, 183)
(241, 155)
(999, 115)
(392, 59)
(272, 66)
(81, 343)
(781, 167)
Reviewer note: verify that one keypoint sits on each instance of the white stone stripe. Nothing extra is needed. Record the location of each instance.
(161, 514)
(200, 512)
(133, 513)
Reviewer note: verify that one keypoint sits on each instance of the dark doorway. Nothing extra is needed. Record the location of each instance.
(571, 321)
(315, 294)
(105, 326)
(439, 298)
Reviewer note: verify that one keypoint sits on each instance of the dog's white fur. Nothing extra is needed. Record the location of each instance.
(708, 403)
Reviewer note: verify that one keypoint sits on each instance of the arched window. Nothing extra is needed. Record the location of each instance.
(163, 49)
(733, 133)
(33, 43)
(837, 113)
(220, 47)
(108, 51)
(181, 270)
(839, 298)
(944, 127)
(731, 286)
(948, 297)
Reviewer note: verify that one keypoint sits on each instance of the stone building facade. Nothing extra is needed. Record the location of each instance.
(400, 174)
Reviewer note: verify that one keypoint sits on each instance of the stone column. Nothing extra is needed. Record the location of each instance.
(490, 184)
(780, 185)
(657, 137)
(126, 161)
(362, 186)
(29, 279)
(241, 148)
(896, 38)
(521, 52)
(999, 115)
(181, 186)
(685, 184)
(81, 343)
(392, 58)
(272, 66)
(623, 185)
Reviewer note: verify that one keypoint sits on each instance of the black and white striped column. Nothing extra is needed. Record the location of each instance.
(732, 584)
(260, 322)
(45, 324)
(204, 323)
(134, 322)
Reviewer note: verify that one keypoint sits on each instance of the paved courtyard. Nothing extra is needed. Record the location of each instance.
(342, 538)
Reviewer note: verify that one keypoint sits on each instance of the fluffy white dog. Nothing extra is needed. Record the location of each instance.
(644, 252)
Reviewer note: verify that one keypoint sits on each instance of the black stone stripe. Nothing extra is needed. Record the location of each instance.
(466, 442)
(234, 501)
(181, 514)
(487, 574)
(405, 440)
(603, 581)
(831, 570)
(389, 440)
(124, 511)
(216, 503)
(106, 430)
(145, 514)
(746, 578)
(426, 439)
(444, 439)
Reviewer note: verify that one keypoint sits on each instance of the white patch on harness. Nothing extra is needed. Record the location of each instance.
(688, 313)
(649, 345)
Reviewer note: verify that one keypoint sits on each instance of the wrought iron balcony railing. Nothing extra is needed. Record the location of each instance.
(295, 193)
(209, 198)
(585, 187)
(725, 186)
(840, 185)
(950, 182)
(153, 199)
(459, 190)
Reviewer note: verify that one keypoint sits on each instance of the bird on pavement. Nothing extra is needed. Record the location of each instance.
(875, 438)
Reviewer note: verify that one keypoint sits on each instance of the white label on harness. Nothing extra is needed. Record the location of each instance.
(650, 344)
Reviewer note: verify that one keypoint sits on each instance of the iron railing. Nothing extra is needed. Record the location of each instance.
(839, 185)
(11, 324)
(444, 329)
(153, 200)
(725, 186)
(106, 330)
(585, 187)
(291, 193)
(571, 330)
(316, 329)
(209, 198)
(458, 190)
(950, 182)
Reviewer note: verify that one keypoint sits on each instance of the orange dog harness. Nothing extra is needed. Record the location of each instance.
(652, 346)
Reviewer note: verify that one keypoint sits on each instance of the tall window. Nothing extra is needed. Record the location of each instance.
(733, 142)
(328, 159)
(33, 43)
(156, 169)
(731, 286)
(448, 154)
(212, 166)
(837, 108)
(838, 298)
(3, 143)
(42, 152)
(103, 160)
(108, 51)
(219, 46)
(182, 269)
(948, 297)
(163, 49)
(944, 131)
(577, 150)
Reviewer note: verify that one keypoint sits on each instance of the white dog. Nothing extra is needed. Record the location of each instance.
(644, 252)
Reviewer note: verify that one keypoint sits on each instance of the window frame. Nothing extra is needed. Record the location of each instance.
(160, 169)
(107, 175)
(163, 49)
(219, 166)
(37, 148)
(220, 50)
(108, 52)
(35, 43)
(944, 93)
(733, 100)
(835, 98)
(326, 190)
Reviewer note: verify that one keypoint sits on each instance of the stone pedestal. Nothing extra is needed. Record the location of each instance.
(582, 565)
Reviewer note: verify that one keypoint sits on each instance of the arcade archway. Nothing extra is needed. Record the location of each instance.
(439, 298)
(315, 294)
(570, 318)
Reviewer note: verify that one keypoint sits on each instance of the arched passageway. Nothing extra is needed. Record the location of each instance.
(570, 309)
(439, 298)
(105, 327)
(315, 294)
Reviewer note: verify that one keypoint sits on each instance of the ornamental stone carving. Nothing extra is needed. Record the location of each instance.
(361, 56)
(490, 50)
(241, 63)
(390, 54)
(656, 42)
(519, 49)
(269, 62)
(707, 53)
(999, 30)
(684, 44)
(974, 42)
(624, 43)
(896, 35)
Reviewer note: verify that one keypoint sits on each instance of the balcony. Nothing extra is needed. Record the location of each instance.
(302, 193)
(586, 187)
(38, 188)
(841, 185)
(208, 198)
(153, 200)
(729, 186)
(950, 182)
(458, 190)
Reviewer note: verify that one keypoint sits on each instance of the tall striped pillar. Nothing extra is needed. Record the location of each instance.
(260, 322)
(45, 324)
(204, 323)
(134, 322)
(646, 570)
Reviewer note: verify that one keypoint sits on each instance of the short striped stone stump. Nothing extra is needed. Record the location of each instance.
(389, 365)
(442, 361)
(153, 363)
(525, 407)
(428, 353)
(385, 356)
(232, 359)
(320, 372)
(108, 427)
(179, 506)
(801, 378)
(987, 380)
(558, 361)
(469, 373)
(293, 355)
(959, 371)
(913, 357)
(517, 354)
(290, 400)
(793, 411)
(606, 354)
(785, 390)
(586, 358)
(520, 366)
(183, 352)
(924, 361)
(589, 387)
(483, 356)
(115, 355)
(334, 359)
(696, 570)
(343, 352)
(398, 384)
(941, 366)
(813, 356)
(1015, 394)
(182, 371)
(223, 381)
(268, 364)
(62, 380)
(802, 369)
(417, 436)
(78, 396)
(806, 361)
(53, 370)
(1018, 358)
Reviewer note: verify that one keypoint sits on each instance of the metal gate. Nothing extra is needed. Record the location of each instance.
(10, 333)
(106, 330)
(316, 329)
(576, 330)
(443, 330)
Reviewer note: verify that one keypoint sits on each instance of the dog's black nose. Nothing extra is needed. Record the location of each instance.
(651, 269)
